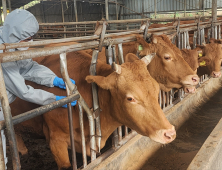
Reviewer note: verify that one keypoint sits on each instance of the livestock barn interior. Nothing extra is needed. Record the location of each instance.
(147, 83)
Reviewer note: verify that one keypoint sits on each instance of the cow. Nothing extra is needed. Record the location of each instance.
(168, 68)
(127, 96)
(211, 56)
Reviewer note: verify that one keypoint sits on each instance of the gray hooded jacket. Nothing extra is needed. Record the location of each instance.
(20, 25)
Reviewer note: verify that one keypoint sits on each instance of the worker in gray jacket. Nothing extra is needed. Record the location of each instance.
(19, 26)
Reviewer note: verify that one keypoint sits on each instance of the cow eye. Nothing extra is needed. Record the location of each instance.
(167, 57)
(130, 99)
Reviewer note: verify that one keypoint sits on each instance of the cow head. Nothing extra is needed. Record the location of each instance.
(134, 100)
(168, 67)
(210, 59)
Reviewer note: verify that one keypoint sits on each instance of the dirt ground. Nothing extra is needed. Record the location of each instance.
(174, 156)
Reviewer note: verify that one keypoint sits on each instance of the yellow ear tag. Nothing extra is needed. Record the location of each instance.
(200, 55)
(140, 48)
(202, 63)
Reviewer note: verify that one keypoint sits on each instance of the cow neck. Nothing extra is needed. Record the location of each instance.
(108, 123)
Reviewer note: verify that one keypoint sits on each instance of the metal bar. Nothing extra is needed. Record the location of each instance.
(182, 41)
(164, 99)
(83, 140)
(40, 110)
(63, 19)
(219, 32)
(63, 66)
(9, 6)
(2, 159)
(208, 35)
(4, 8)
(215, 32)
(120, 53)
(214, 10)
(168, 98)
(75, 8)
(155, 8)
(116, 10)
(9, 124)
(185, 6)
(120, 135)
(194, 39)
(109, 55)
(96, 108)
(178, 41)
(107, 9)
(126, 131)
(171, 96)
(160, 98)
(114, 53)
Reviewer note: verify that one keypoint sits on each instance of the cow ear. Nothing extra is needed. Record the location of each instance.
(103, 82)
(204, 61)
(130, 57)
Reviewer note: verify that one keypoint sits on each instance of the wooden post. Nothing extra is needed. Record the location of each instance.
(107, 9)
(4, 8)
(75, 8)
(9, 5)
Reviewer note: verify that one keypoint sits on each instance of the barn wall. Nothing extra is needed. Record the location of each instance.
(92, 12)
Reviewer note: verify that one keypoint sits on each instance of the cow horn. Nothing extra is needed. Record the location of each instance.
(116, 68)
(147, 59)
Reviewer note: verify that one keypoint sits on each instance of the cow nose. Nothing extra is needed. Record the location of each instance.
(195, 79)
(169, 135)
(216, 74)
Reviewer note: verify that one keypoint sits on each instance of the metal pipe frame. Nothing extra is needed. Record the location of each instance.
(8, 122)
(63, 68)
(96, 108)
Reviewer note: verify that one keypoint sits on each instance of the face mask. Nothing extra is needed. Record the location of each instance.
(24, 48)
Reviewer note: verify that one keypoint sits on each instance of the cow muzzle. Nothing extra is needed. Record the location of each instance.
(190, 80)
(216, 74)
(165, 136)
(191, 89)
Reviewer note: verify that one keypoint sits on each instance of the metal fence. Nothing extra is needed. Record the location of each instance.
(122, 134)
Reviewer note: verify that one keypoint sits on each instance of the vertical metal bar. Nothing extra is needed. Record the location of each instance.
(114, 53)
(208, 34)
(75, 8)
(116, 10)
(203, 7)
(171, 96)
(64, 31)
(142, 9)
(194, 39)
(178, 41)
(63, 19)
(160, 98)
(4, 8)
(188, 41)
(109, 55)
(107, 9)
(215, 32)
(2, 159)
(164, 99)
(83, 140)
(219, 31)
(185, 40)
(214, 10)
(182, 40)
(8, 123)
(185, 6)
(167, 98)
(126, 131)
(63, 66)
(96, 108)
(120, 135)
(154, 8)
(9, 6)
(120, 53)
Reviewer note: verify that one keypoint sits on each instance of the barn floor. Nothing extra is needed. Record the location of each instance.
(174, 156)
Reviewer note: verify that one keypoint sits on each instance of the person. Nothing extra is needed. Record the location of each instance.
(20, 26)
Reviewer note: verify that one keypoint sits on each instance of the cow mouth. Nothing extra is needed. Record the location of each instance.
(191, 89)
(215, 74)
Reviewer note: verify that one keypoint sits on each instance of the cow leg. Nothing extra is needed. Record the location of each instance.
(59, 150)
(21, 145)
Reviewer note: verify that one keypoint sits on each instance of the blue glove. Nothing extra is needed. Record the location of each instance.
(73, 103)
(58, 82)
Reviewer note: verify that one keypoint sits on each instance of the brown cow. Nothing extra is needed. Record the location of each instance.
(212, 56)
(129, 97)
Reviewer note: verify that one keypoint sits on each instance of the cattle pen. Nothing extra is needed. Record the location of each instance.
(128, 150)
